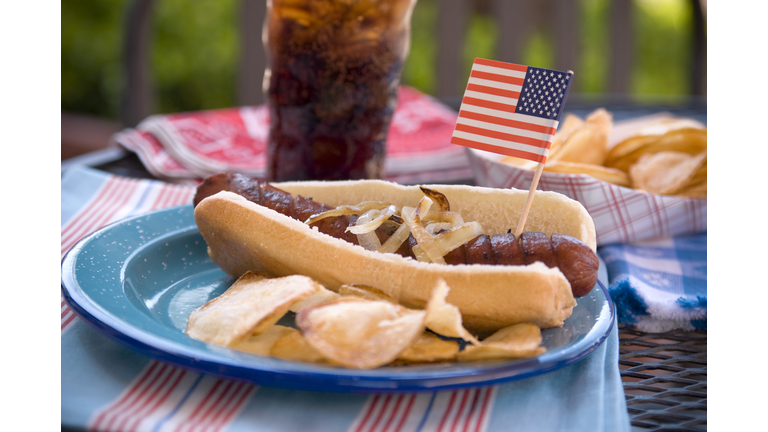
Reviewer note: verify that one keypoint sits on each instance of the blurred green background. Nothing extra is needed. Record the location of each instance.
(195, 51)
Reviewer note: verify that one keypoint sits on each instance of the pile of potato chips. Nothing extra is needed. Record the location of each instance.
(667, 156)
(358, 327)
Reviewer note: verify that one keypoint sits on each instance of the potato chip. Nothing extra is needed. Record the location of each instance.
(701, 174)
(647, 132)
(516, 341)
(520, 163)
(610, 175)
(588, 143)
(262, 343)
(665, 173)
(687, 140)
(444, 318)
(359, 333)
(570, 123)
(251, 305)
(323, 295)
(293, 346)
(626, 147)
(587, 147)
(665, 123)
(429, 348)
(697, 187)
(366, 292)
(694, 190)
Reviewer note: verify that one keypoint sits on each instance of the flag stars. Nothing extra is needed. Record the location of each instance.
(543, 92)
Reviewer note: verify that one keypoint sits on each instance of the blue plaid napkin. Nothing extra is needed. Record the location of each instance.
(659, 285)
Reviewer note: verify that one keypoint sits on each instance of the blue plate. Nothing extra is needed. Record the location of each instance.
(137, 281)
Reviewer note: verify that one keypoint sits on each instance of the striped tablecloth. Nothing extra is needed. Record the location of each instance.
(106, 386)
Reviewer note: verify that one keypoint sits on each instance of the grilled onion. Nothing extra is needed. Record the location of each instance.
(345, 210)
(445, 230)
(394, 242)
(450, 240)
(425, 240)
(371, 220)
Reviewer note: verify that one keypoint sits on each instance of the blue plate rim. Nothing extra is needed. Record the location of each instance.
(301, 376)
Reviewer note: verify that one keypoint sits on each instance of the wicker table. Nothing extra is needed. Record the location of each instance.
(665, 379)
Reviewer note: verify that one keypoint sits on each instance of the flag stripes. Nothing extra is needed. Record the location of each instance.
(496, 148)
(495, 104)
(481, 63)
(491, 100)
(511, 109)
(508, 122)
(502, 116)
(510, 94)
(530, 138)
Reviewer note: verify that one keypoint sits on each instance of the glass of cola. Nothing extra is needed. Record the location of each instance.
(331, 85)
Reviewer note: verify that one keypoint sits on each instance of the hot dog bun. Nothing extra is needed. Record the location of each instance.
(243, 236)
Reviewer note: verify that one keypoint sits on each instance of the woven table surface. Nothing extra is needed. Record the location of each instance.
(665, 379)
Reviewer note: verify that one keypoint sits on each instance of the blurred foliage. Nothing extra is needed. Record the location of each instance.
(194, 55)
(539, 51)
(195, 48)
(665, 52)
(420, 68)
(482, 37)
(594, 15)
(91, 35)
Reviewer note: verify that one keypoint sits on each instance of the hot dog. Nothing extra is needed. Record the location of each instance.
(574, 258)
(259, 228)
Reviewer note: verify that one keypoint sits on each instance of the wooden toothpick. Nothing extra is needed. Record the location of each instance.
(529, 201)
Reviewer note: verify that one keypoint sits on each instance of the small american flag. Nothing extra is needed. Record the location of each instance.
(511, 109)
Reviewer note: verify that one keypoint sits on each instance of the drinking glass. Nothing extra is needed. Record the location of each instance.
(331, 85)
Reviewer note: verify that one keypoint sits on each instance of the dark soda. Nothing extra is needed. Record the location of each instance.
(331, 85)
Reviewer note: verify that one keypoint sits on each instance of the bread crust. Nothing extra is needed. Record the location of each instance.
(242, 236)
